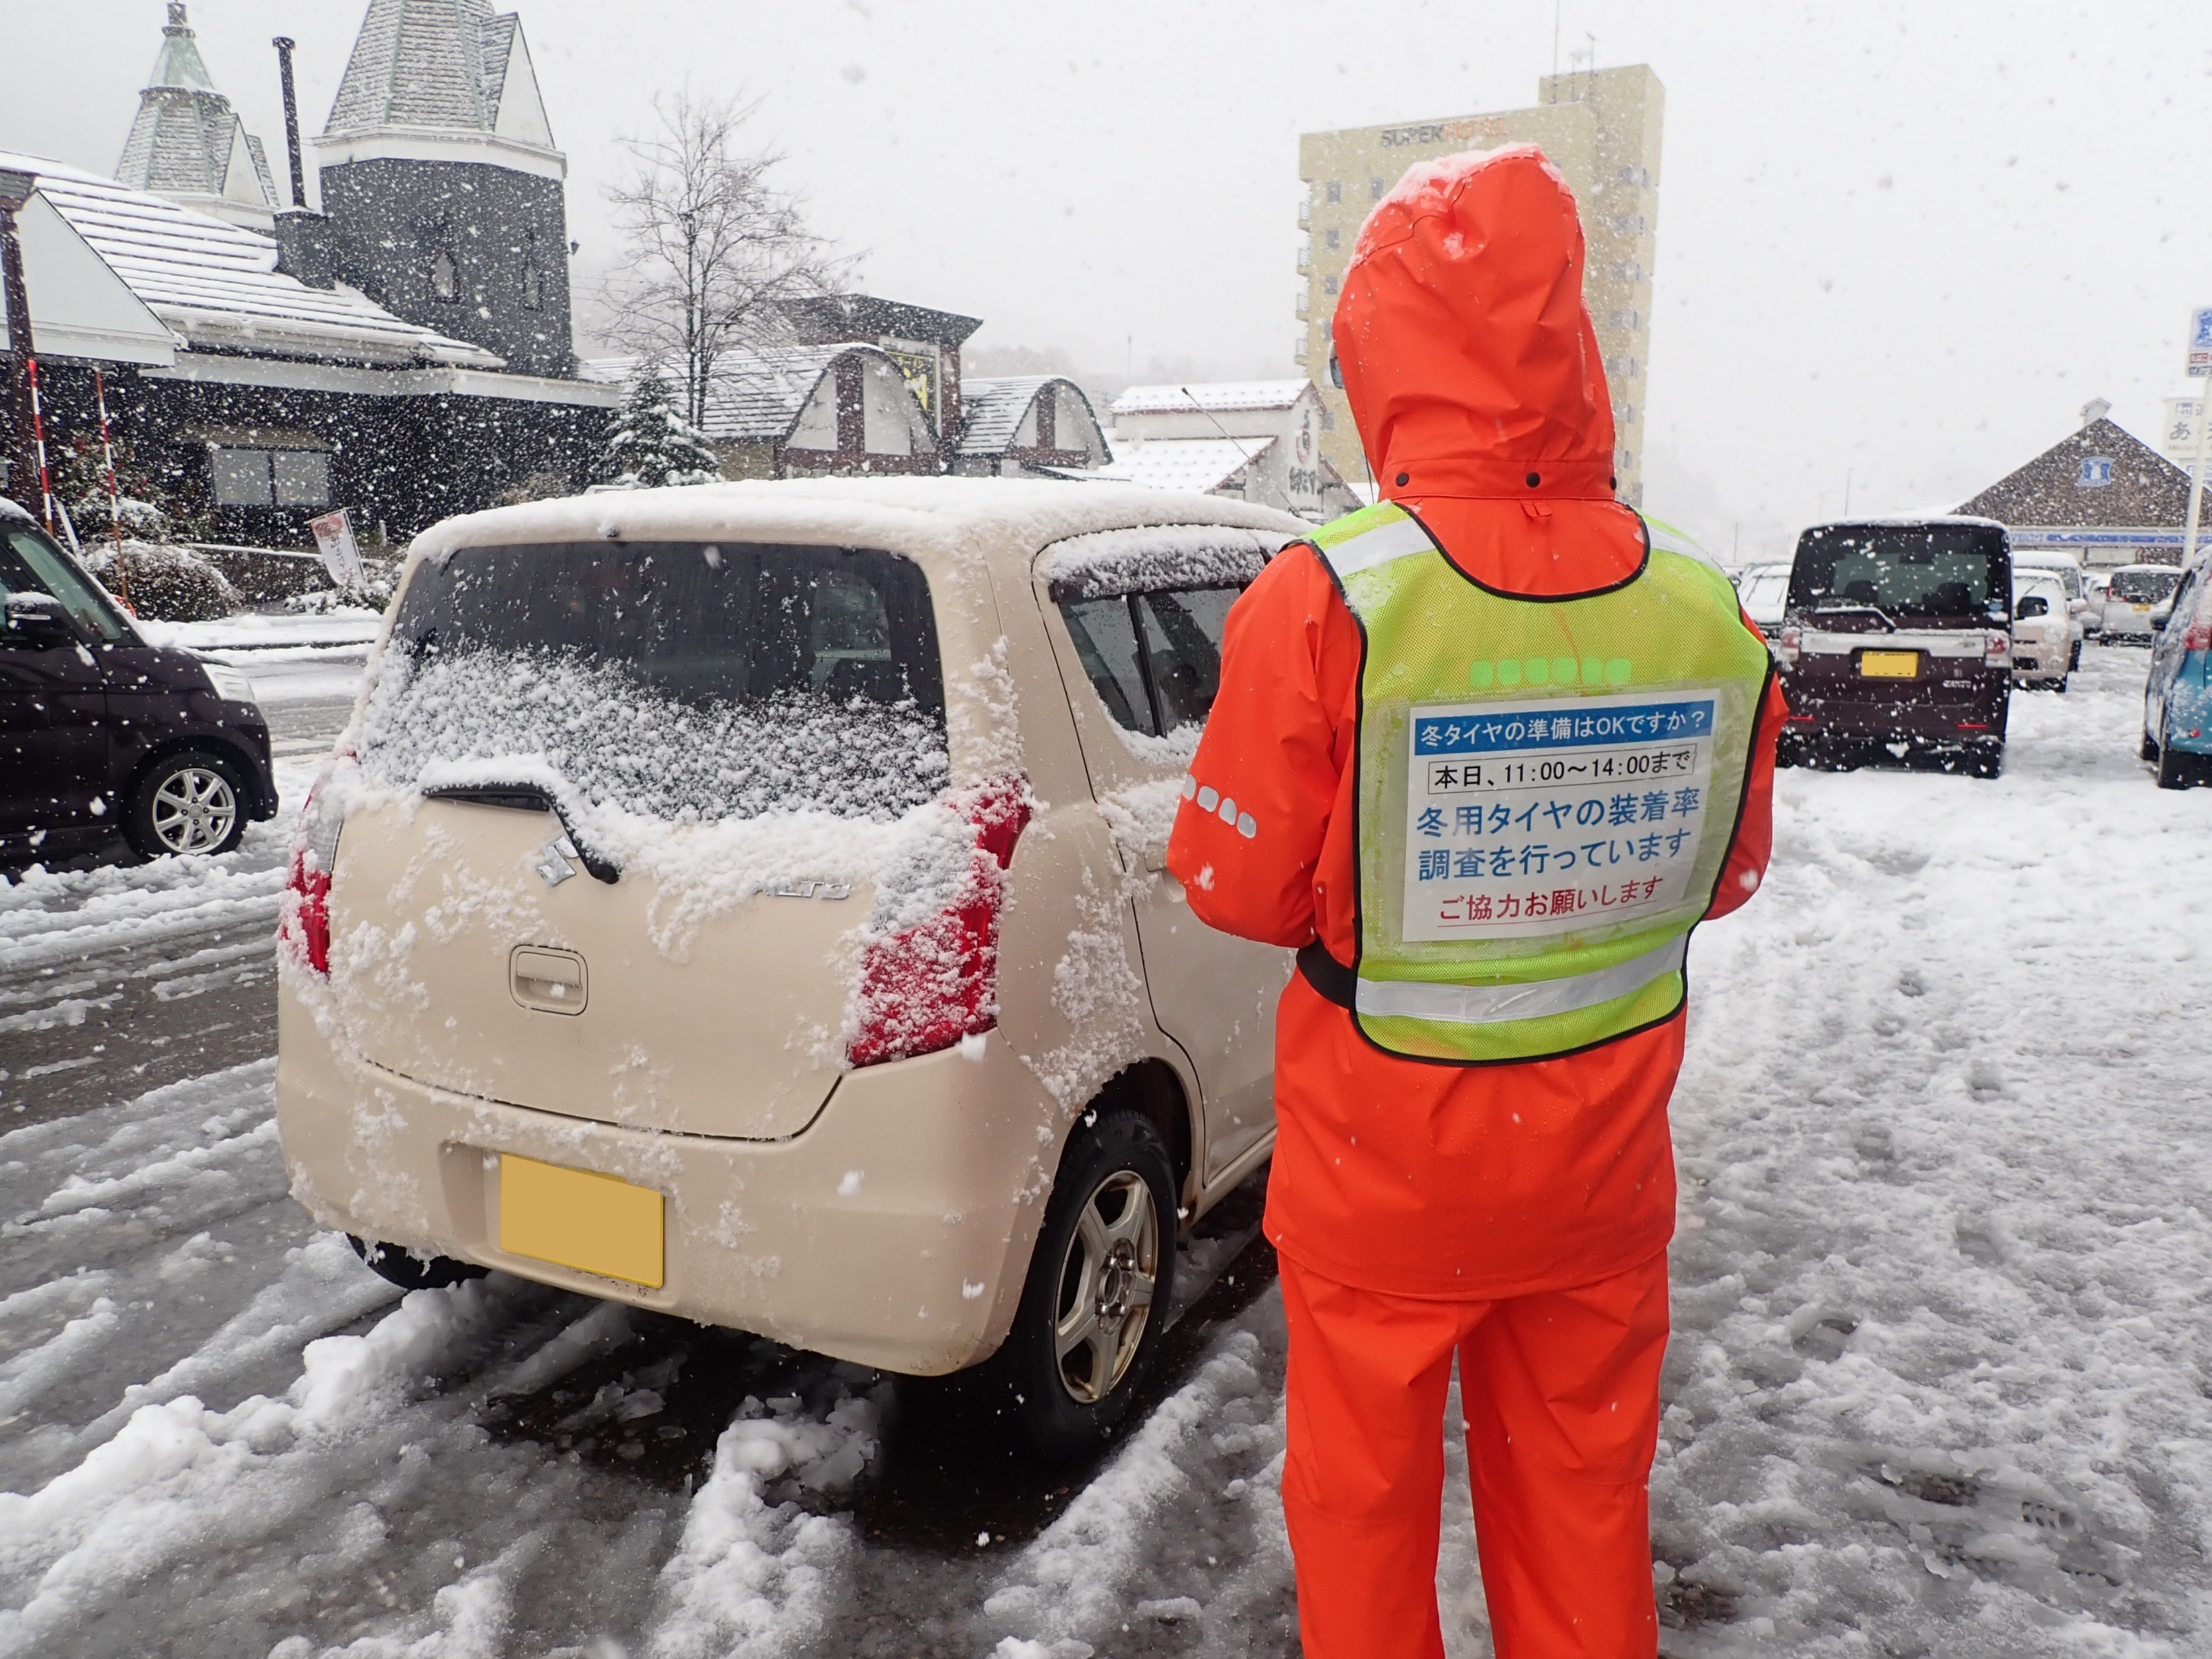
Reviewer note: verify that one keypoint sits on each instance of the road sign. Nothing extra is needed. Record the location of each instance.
(2200, 341)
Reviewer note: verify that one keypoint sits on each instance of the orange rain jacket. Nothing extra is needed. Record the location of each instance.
(1474, 375)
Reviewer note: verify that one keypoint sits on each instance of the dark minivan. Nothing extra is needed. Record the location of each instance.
(1897, 636)
(101, 733)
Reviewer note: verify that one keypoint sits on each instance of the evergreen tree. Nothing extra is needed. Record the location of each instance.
(651, 444)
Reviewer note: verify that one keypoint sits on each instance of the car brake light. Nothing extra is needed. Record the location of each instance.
(925, 987)
(303, 915)
(1996, 649)
(1791, 642)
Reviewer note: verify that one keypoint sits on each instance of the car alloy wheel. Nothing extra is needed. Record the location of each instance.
(1107, 1282)
(194, 808)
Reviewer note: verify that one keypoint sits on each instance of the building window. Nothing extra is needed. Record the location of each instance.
(1328, 284)
(1328, 419)
(441, 268)
(533, 276)
(1335, 236)
(1336, 190)
(270, 478)
(1374, 189)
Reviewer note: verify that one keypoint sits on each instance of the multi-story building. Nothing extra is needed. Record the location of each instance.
(1600, 128)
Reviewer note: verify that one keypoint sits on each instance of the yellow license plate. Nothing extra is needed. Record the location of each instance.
(1889, 665)
(574, 1218)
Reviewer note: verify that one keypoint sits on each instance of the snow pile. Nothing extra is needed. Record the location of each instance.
(1184, 1527)
(754, 1576)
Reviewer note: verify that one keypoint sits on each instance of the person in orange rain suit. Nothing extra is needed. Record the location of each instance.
(1518, 1214)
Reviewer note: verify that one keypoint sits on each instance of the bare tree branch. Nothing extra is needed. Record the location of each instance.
(714, 246)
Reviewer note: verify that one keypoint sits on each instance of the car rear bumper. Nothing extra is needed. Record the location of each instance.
(895, 1230)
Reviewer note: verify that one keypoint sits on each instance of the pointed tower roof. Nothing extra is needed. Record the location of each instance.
(440, 80)
(187, 142)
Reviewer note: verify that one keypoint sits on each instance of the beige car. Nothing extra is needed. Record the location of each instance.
(746, 902)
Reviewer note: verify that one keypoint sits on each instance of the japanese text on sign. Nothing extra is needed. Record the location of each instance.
(1553, 816)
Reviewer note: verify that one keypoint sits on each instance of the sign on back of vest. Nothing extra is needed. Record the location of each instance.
(1556, 815)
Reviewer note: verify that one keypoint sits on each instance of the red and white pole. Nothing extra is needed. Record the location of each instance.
(38, 437)
(114, 495)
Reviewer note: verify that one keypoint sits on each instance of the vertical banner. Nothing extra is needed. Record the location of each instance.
(341, 554)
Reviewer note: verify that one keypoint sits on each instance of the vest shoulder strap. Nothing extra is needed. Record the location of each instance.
(1374, 535)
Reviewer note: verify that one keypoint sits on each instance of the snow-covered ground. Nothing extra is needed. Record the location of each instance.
(1938, 1386)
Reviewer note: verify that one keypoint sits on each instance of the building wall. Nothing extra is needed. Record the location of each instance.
(385, 211)
(403, 463)
(1603, 132)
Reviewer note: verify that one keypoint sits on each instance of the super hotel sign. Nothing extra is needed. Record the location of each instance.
(1448, 132)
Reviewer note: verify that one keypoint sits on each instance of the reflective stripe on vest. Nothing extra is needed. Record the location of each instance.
(1546, 792)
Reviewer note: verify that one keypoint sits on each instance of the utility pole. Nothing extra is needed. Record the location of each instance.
(284, 44)
(15, 189)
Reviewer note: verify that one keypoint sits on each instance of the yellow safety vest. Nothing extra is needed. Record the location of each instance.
(1547, 790)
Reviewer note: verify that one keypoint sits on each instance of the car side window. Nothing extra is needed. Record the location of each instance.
(1183, 649)
(1155, 658)
(1106, 640)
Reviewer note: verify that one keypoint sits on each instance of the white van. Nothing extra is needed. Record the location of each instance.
(747, 901)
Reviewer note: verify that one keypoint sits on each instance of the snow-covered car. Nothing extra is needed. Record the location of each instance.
(2047, 635)
(748, 901)
(1764, 590)
(105, 733)
(2131, 592)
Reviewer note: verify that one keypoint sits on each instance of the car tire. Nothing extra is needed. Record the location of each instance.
(2150, 750)
(409, 1269)
(2074, 659)
(1987, 763)
(1071, 1367)
(193, 802)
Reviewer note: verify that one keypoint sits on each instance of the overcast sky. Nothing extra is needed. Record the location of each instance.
(1901, 243)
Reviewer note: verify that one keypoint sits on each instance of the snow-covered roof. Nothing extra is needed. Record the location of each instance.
(187, 141)
(217, 285)
(993, 407)
(1213, 395)
(759, 394)
(1197, 463)
(441, 73)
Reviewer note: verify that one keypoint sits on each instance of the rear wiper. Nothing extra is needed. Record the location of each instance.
(529, 797)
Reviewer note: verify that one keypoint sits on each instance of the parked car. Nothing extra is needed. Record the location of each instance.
(2046, 635)
(2080, 604)
(1764, 590)
(2178, 699)
(1897, 635)
(102, 734)
(748, 903)
(2131, 594)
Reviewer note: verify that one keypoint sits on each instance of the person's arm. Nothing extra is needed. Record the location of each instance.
(1256, 805)
(1755, 836)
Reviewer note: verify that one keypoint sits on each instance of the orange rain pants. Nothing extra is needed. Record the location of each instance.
(1561, 1392)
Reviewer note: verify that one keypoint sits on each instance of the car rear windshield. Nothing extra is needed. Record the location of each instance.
(1931, 573)
(678, 680)
(2143, 587)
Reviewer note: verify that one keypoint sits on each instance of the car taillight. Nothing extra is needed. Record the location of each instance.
(303, 917)
(1997, 649)
(1791, 642)
(925, 987)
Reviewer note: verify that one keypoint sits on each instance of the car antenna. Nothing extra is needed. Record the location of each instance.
(1249, 459)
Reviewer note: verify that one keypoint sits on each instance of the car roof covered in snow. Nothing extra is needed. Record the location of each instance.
(937, 521)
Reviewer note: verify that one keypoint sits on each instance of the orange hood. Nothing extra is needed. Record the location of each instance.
(1473, 371)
